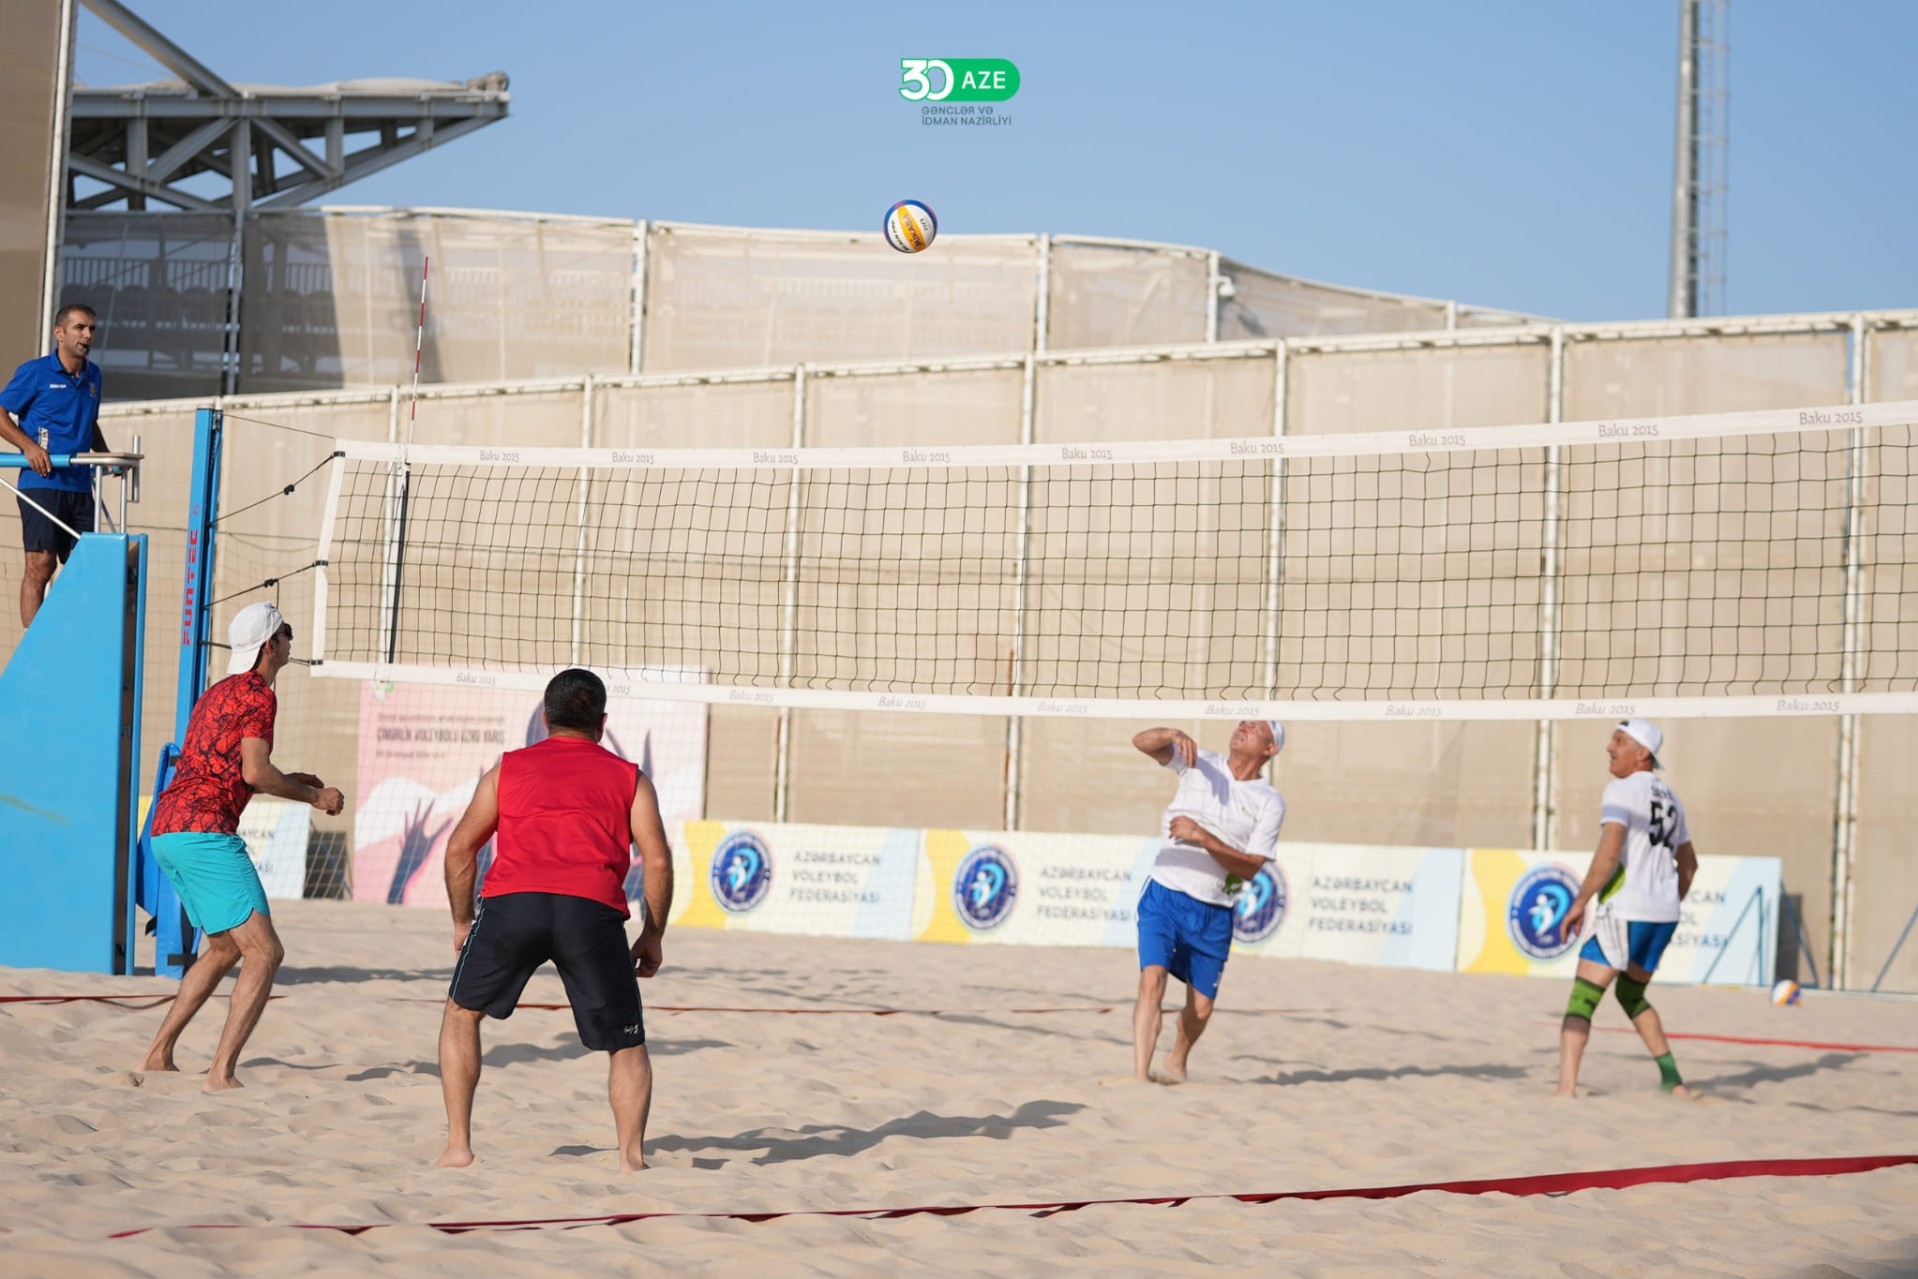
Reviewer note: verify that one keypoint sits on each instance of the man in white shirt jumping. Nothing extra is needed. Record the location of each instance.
(1639, 876)
(1220, 828)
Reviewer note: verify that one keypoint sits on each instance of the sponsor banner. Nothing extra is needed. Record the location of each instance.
(275, 831)
(423, 750)
(1026, 888)
(1513, 901)
(1386, 906)
(825, 881)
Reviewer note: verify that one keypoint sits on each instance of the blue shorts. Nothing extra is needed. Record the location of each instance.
(213, 876)
(74, 508)
(1188, 938)
(1628, 943)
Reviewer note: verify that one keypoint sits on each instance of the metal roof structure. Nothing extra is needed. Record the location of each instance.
(267, 146)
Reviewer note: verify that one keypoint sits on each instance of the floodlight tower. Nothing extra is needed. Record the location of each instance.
(1699, 186)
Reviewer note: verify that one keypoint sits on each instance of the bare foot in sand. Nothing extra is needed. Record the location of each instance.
(454, 1157)
(220, 1083)
(632, 1161)
(1123, 1081)
(156, 1063)
(1681, 1092)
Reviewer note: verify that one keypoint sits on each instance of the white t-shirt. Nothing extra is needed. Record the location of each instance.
(1246, 815)
(1645, 887)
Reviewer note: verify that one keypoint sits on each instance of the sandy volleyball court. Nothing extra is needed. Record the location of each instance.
(1344, 1077)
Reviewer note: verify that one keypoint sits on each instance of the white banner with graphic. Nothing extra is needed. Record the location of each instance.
(1513, 902)
(1397, 907)
(1477, 910)
(1387, 906)
(825, 881)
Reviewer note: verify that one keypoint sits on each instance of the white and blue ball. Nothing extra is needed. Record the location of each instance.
(1785, 992)
(910, 226)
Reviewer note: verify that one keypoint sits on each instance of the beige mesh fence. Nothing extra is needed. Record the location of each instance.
(1106, 295)
(725, 298)
(330, 298)
(1260, 305)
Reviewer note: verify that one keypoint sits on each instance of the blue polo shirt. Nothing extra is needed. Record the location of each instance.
(59, 409)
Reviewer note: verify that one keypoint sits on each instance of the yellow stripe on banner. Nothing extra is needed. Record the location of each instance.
(1492, 874)
(702, 909)
(945, 849)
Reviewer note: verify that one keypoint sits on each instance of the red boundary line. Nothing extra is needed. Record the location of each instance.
(154, 997)
(1558, 1183)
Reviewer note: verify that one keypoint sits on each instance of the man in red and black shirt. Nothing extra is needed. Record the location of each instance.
(564, 816)
(225, 761)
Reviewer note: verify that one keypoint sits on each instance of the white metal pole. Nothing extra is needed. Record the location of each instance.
(579, 533)
(789, 608)
(1844, 856)
(1212, 283)
(642, 248)
(1021, 579)
(1545, 759)
(1042, 303)
(1275, 536)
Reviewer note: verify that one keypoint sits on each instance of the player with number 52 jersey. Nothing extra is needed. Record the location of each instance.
(1634, 890)
(1645, 885)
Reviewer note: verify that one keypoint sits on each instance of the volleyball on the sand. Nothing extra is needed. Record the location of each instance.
(910, 226)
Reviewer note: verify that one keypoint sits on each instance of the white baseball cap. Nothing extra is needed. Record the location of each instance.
(248, 632)
(1646, 734)
(1278, 735)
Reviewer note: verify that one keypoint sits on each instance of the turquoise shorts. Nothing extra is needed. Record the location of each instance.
(213, 876)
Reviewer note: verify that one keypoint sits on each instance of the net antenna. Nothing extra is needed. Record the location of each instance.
(1700, 566)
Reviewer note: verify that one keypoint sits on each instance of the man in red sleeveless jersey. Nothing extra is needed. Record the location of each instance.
(564, 816)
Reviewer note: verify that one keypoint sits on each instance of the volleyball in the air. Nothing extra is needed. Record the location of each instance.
(910, 226)
(1785, 992)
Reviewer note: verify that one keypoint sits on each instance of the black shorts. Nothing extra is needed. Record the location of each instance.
(38, 533)
(515, 933)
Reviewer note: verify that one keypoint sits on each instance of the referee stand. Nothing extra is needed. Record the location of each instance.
(70, 699)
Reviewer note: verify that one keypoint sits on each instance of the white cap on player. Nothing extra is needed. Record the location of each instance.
(248, 632)
(1646, 734)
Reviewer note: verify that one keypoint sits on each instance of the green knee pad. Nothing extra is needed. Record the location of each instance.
(1585, 997)
(1631, 996)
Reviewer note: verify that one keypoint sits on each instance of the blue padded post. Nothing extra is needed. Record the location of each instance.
(70, 719)
(175, 938)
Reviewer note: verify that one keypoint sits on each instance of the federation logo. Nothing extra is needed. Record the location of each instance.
(742, 871)
(1260, 909)
(986, 887)
(1539, 901)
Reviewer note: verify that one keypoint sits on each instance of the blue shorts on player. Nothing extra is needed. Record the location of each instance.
(1188, 938)
(1628, 943)
(213, 876)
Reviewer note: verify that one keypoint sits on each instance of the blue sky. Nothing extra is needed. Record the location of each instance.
(1503, 152)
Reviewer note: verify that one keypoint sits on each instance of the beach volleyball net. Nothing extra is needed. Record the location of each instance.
(1757, 563)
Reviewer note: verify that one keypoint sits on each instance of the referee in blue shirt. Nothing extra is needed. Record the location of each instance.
(53, 406)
